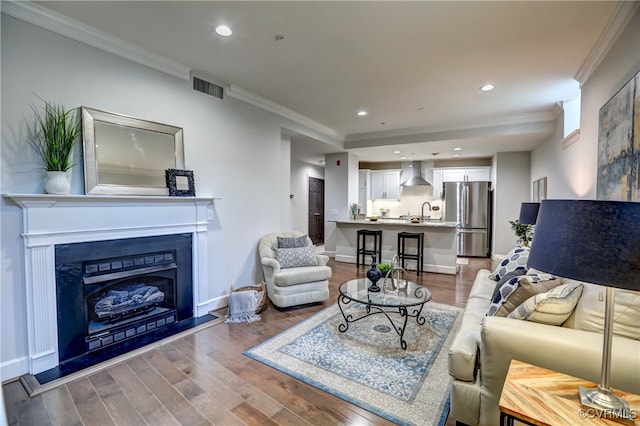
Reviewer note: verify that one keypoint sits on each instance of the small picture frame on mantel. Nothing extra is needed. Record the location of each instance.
(180, 183)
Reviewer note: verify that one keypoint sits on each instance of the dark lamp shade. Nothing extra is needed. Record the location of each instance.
(528, 213)
(591, 241)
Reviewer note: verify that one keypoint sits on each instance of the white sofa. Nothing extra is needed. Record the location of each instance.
(297, 285)
(484, 346)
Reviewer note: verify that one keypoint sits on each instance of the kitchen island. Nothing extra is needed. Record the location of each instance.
(440, 251)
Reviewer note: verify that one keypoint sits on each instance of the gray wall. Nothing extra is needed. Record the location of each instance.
(512, 186)
(236, 151)
(572, 172)
(300, 174)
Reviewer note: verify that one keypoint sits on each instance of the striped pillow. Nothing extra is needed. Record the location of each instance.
(552, 307)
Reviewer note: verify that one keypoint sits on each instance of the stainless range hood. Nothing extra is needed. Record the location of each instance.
(416, 177)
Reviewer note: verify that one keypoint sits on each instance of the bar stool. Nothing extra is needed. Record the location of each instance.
(362, 245)
(418, 256)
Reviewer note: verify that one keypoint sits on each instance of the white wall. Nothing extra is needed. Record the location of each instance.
(341, 189)
(235, 150)
(512, 186)
(572, 172)
(284, 187)
(300, 174)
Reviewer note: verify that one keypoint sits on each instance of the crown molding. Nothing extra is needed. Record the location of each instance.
(619, 20)
(60, 24)
(264, 103)
(538, 127)
(502, 121)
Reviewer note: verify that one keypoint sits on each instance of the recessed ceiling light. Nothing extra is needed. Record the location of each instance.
(396, 152)
(362, 113)
(223, 30)
(403, 158)
(487, 87)
(457, 149)
(456, 155)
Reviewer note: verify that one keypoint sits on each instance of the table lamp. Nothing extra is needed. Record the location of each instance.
(596, 242)
(529, 213)
(528, 216)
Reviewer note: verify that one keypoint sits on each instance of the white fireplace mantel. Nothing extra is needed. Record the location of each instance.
(63, 219)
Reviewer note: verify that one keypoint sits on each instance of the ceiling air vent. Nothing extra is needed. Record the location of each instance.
(208, 88)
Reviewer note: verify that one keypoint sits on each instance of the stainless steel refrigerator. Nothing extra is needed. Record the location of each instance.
(469, 205)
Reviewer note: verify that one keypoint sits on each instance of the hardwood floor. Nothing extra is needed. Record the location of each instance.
(204, 379)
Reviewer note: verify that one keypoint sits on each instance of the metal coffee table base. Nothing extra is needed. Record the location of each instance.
(405, 313)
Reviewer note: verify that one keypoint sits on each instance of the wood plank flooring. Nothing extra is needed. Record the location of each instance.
(204, 379)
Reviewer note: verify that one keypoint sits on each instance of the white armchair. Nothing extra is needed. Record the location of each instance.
(289, 284)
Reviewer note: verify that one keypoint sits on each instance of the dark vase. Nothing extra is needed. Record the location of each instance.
(374, 274)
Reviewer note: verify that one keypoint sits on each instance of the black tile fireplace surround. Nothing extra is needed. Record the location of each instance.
(118, 295)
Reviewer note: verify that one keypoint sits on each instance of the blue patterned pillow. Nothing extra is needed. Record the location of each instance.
(296, 257)
(516, 259)
(517, 290)
(292, 242)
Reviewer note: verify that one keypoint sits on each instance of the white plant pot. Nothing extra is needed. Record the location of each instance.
(57, 183)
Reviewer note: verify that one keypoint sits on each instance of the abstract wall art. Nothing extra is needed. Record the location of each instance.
(619, 145)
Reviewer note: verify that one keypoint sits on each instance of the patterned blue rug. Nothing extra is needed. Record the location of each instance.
(366, 366)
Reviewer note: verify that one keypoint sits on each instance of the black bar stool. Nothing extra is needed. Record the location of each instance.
(418, 256)
(362, 245)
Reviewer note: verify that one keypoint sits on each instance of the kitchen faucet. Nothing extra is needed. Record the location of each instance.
(422, 209)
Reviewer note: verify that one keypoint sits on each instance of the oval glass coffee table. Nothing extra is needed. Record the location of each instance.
(408, 302)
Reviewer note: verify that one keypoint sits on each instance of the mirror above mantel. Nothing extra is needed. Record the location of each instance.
(128, 156)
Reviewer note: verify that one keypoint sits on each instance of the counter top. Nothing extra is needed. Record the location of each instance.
(397, 222)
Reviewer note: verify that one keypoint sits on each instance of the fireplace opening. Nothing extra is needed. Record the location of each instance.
(114, 294)
(128, 296)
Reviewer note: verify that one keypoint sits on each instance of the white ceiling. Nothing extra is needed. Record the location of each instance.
(415, 66)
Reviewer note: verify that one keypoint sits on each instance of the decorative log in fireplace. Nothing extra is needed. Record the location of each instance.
(127, 302)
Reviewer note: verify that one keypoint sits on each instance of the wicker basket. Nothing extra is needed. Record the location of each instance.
(263, 302)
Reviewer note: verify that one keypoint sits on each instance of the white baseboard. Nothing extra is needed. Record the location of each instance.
(214, 304)
(14, 368)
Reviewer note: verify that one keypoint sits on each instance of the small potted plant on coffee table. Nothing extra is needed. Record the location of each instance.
(384, 268)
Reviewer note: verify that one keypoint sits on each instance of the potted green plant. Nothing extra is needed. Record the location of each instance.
(56, 133)
(522, 231)
(384, 268)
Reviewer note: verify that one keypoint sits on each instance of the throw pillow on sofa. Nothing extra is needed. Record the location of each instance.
(516, 259)
(507, 277)
(296, 257)
(518, 289)
(552, 307)
(292, 242)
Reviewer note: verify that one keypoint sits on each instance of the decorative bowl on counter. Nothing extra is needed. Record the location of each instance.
(373, 218)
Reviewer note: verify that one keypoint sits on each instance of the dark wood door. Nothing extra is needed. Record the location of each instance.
(316, 210)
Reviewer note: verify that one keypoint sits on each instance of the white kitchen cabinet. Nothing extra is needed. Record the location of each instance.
(479, 174)
(363, 189)
(363, 179)
(453, 175)
(437, 184)
(385, 185)
(469, 174)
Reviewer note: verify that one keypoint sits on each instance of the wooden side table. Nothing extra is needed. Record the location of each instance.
(537, 396)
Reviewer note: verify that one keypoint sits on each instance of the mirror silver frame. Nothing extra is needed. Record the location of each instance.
(93, 135)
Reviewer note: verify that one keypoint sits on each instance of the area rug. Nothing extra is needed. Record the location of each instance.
(365, 365)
